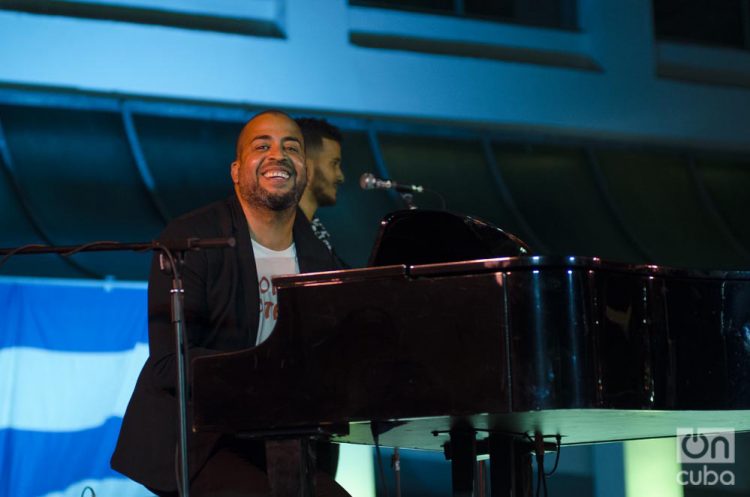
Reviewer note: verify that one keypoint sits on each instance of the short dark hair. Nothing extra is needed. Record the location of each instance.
(314, 130)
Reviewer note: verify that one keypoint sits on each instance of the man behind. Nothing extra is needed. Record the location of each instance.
(225, 309)
(323, 151)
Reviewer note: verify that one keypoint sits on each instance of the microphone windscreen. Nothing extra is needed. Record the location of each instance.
(367, 181)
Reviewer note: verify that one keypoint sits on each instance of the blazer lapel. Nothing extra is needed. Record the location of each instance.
(248, 273)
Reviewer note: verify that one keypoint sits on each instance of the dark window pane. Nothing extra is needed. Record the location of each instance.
(76, 171)
(700, 21)
(454, 168)
(441, 6)
(660, 203)
(555, 190)
(554, 13)
(551, 13)
(189, 159)
(354, 221)
(492, 8)
(16, 230)
(728, 183)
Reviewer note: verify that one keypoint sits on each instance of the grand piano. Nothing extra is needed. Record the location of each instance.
(457, 339)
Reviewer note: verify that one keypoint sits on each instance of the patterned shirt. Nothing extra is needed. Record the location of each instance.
(321, 232)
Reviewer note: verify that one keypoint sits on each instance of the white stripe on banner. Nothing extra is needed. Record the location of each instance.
(119, 487)
(44, 390)
(107, 284)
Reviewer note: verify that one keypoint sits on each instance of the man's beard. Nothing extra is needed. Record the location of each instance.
(318, 189)
(256, 195)
(261, 197)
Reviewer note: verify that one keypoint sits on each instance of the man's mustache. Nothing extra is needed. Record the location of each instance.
(285, 164)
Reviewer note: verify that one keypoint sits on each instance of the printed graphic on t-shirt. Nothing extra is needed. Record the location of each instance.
(268, 301)
(271, 263)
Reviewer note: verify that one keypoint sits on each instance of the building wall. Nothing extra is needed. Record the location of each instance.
(601, 81)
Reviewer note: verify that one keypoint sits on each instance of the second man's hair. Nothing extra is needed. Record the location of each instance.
(314, 130)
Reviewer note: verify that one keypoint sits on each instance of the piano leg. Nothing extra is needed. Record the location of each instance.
(510, 466)
(290, 465)
(463, 461)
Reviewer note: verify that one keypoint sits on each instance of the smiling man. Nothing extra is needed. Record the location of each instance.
(229, 305)
(269, 172)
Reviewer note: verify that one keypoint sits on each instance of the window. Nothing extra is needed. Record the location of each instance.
(547, 13)
(725, 23)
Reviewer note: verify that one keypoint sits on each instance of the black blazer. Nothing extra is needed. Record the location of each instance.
(221, 315)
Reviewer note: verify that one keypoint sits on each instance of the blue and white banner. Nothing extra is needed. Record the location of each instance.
(70, 353)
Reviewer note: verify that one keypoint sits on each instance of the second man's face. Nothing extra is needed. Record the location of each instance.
(327, 174)
(270, 171)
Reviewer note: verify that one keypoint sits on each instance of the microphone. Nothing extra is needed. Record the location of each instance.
(368, 181)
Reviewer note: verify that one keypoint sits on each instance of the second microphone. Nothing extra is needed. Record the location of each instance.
(369, 181)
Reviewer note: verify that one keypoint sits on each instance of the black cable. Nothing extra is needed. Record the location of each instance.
(541, 480)
(83, 492)
(172, 265)
(75, 250)
(86, 246)
(444, 205)
(558, 439)
(18, 251)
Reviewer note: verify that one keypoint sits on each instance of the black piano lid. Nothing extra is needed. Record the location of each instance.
(333, 277)
(536, 262)
(426, 237)
(504, 264)
(416, 243)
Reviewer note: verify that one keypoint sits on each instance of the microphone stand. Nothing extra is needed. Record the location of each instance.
(168, 249)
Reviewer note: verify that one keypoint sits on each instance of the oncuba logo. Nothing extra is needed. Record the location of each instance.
(704, 446)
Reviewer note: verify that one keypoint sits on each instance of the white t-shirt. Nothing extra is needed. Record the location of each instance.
(271, 263)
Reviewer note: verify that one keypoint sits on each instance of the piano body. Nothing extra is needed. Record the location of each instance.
(424, 352)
